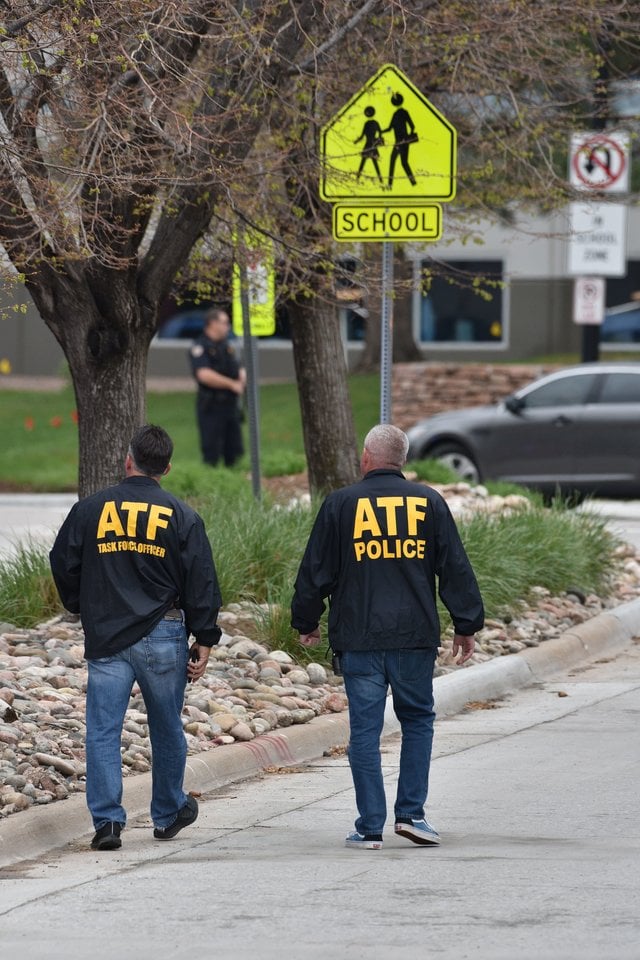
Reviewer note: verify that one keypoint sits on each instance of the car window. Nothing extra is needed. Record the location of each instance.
(564, 392)
(621, 388)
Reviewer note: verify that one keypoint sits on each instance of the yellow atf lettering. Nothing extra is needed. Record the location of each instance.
(409, 549)
(390, 549)
(109, 521)
(359, 548)
(133, 508)
(365, 519)
(414, 514)
(156, 519)
(390, 505)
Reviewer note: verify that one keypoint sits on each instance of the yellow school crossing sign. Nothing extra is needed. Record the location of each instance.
(389, 145)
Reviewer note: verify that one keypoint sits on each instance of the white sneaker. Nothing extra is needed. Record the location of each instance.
(369, 841)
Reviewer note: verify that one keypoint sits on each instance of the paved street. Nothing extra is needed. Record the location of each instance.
(536, 800)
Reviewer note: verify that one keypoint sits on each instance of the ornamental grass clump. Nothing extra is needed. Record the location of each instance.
(557, 548)
(27, 592)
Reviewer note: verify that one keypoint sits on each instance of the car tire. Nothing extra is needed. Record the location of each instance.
(454, 456)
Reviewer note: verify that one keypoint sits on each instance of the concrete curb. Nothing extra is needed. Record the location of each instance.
(40, 829)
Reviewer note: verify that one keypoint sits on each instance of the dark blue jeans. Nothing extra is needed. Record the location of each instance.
(158, 662)
(367, 677)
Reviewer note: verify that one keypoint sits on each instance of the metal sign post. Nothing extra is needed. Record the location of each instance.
(251, 366)
(386, 333)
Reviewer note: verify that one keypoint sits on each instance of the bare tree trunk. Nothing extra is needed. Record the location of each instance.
(107, 356)
(321, 374)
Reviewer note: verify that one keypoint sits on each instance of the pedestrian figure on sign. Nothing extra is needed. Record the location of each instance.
(404, 131)
(372, 136)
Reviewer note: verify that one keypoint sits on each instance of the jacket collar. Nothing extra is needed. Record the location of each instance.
(383, 473)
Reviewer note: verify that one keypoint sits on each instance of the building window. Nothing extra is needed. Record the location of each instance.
(462, 302)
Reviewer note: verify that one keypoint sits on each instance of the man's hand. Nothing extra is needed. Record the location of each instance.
(463, 646)
(197, 663)
(310, 639)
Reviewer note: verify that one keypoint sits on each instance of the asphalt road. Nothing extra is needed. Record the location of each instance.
(535, 797)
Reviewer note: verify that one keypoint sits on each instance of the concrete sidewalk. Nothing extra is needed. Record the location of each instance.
(30, 834)
(31, 518)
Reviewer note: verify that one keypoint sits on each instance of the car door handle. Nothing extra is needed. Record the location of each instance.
(562, 421)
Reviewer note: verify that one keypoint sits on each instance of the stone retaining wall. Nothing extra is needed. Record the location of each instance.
(419, 390)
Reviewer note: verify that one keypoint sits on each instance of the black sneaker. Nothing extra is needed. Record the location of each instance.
(107, 837)
(187, 815)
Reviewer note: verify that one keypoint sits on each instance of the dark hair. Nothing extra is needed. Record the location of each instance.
(215, 313)
(151, 448)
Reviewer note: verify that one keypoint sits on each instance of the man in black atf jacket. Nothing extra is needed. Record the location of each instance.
(221, 382)
(375, 551)
(136, 564)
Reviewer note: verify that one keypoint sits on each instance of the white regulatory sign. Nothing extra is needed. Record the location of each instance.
(588, 300)
(598, 240)
(599, 162)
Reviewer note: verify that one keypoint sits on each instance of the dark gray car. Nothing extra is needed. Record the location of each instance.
(574, 430)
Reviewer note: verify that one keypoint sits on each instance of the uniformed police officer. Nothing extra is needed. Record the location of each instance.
(221, 381)
(376, 549)
(136, 564)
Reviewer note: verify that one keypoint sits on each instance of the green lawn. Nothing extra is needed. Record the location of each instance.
(39, 434)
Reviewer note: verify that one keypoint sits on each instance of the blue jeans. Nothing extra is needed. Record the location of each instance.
(158, 663)
(367, 676)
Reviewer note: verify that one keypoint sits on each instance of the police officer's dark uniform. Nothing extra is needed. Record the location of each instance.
(218, 411)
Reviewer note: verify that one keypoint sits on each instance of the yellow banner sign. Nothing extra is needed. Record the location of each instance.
(387, 222)
(261, 284)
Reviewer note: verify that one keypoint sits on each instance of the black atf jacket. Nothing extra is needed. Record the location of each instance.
(125, 556)
(375, 551)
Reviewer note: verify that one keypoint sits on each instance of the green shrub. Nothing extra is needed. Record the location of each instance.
(27, 592)
(555, 548)
(432, 471)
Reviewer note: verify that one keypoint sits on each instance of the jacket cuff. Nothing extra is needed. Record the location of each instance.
(304, 626)
(208, 638)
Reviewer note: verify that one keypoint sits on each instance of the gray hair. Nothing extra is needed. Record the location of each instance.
(387, 444)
